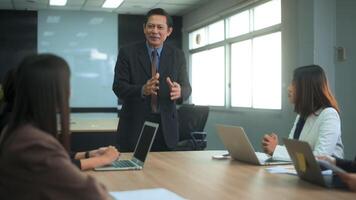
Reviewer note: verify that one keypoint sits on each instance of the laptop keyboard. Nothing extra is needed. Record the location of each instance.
(123, 163)
(262, 156)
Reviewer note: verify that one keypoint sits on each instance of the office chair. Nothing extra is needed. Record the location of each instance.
(192, 120)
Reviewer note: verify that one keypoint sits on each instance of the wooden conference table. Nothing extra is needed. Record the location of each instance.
(195, 175)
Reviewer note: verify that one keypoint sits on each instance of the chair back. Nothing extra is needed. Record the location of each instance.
(191, 118)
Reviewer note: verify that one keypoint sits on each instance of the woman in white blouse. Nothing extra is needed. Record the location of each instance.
(318, 121)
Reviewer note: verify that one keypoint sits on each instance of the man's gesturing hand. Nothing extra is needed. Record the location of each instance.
(175, 90)
(151, 86)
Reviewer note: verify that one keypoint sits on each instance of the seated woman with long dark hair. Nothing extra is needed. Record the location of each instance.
(318, 121)
(34, 163)
(83, 160)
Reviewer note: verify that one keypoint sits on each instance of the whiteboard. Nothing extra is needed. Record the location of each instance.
(88, 41)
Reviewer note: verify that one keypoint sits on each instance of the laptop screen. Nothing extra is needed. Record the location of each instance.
(145, 141)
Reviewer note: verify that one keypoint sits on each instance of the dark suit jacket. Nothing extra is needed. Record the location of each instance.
(348, 165)
(132, 70)
(34, 165)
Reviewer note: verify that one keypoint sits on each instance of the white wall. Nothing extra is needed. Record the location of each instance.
(324, 37)
(346, 71)
(316, 35)
(305, 30)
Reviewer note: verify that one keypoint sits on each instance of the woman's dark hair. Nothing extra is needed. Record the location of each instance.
(42, 94)
(312, 91)
(9, 97)
(159, 11)
(9, 86)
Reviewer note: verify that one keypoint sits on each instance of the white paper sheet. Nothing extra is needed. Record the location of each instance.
(146, 194)
(282, 170)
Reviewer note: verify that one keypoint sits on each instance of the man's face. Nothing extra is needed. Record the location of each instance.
(156, 30)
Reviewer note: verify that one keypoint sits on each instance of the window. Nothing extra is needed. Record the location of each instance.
(216, 32)
(207, 35)
(267, 71)
(238, 24)
(239, 71)
(209, 73)
(198, 38)
(241, 74)
(267, 14)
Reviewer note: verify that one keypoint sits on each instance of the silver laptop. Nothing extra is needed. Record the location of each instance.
(237, 143)
(142, 148)
(307, 166)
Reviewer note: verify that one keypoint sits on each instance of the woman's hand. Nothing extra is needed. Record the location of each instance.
(109, 154)
(330, 159)
(97, 152)
(100, 157)
(349, 179)
(269, 143)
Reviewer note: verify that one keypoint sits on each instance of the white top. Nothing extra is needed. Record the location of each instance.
(323, 133)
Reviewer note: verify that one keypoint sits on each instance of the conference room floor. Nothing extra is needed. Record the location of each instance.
(195, 175)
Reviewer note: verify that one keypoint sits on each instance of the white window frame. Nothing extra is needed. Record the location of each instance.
(227, 45)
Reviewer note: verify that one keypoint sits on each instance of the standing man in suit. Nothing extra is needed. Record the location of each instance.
(150, 78)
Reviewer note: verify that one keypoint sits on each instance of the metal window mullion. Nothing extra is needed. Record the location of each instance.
(190, 100)
(228, 76)
(252, 74)
(252, 28)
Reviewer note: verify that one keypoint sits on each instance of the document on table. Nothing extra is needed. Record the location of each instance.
(147, 194)
(289, 169)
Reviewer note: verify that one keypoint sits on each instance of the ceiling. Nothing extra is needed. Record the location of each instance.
(139, 7)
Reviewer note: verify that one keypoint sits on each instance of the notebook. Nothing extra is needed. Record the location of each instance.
(307, 166)
(239, 147)
(142, 148)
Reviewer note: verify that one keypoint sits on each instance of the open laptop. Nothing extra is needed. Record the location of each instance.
(237, 143)
(307, 166)
(142, 148)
